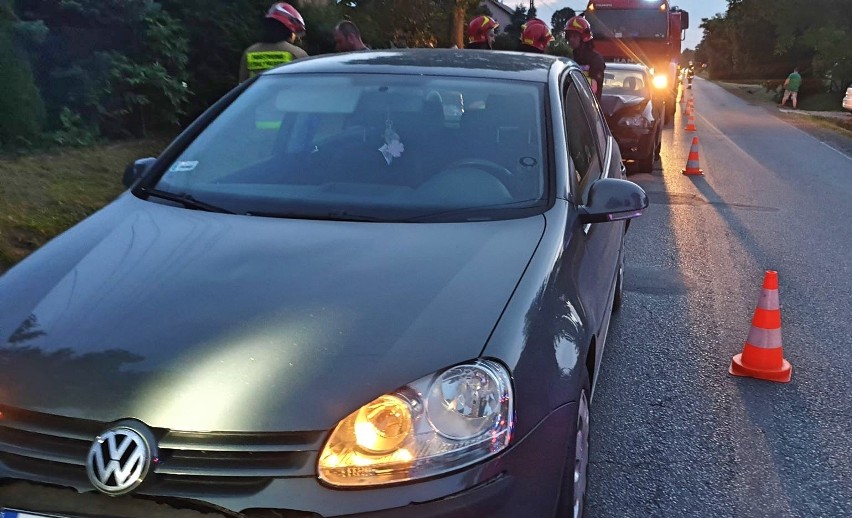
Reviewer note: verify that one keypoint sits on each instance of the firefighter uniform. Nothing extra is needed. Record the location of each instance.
(593, 66)
(264, 56)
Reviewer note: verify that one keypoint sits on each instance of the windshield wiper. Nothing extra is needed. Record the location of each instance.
(184, 199)
(328, 216)
(467, 210)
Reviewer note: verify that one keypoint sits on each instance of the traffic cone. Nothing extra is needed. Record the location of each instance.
(690, 126)
(692, 167)
(762, 356)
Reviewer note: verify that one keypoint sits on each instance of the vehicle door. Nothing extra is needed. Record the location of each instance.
(591, 150)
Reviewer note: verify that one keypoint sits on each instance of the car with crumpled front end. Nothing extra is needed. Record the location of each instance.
(328, 298)
(634, 113)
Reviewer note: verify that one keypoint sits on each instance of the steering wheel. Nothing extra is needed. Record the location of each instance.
(493, 168)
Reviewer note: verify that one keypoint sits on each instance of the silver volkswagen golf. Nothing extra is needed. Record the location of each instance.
(328, 297)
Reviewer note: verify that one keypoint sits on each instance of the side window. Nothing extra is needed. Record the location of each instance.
(582, 142)
(595, 115)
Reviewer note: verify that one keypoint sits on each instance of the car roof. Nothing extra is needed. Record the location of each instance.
(628, 66)
(440, 62)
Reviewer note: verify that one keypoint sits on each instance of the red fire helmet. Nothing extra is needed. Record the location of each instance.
(535, 33)
(288, 15)
(477, 29)
(581, 25)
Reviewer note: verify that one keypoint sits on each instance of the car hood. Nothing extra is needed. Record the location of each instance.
(198, 321)
(612, 104)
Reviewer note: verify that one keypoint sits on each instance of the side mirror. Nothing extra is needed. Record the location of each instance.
(612, 199)
(137, 170)
(684, 20)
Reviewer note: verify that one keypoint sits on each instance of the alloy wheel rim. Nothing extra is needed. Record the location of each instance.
(581, 455)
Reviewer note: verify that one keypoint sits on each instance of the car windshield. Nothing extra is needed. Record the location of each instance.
(628, 23)
(625, 82)
(371, 146)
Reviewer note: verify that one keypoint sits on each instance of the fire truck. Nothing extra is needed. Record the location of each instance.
(649, 32)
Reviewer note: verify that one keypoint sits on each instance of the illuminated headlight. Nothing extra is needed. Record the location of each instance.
(636, 121)
(661, 81)
(437, 424)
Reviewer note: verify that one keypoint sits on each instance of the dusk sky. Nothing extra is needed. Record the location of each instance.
(697, 9)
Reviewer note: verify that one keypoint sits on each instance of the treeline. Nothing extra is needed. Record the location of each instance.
(768, 38)
(74, 71)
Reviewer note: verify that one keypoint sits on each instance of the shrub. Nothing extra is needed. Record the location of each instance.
(21, 103)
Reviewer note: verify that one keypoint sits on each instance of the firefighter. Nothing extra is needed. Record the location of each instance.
(579, 34)
(480, 33)
(281, 26)
(690, 74)
(535, 37)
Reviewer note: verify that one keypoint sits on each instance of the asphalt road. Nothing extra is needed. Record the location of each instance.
(673, 433)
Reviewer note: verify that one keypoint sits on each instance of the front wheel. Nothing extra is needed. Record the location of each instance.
(658, 148)
(646, 165)
(670, 109)
(572, 501)
(618, 298)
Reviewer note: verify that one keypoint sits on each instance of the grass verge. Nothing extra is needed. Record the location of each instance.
(42, 195)
(833, 118)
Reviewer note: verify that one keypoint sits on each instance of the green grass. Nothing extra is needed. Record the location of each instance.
(752, 91)
(826, 102)
(43, 195)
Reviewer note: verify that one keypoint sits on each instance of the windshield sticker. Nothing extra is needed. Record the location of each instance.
(393, 147)
(184, 167)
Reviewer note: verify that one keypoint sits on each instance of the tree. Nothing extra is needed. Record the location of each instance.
(21, 104)
(767, 38)
(560, 19)
(461, 10)
(413, 23)
(519, 18)
(686, 56)
(114, 65)
(715, 48)
(218, 32)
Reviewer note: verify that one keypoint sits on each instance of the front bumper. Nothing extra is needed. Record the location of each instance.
(524, 480)
(634, 143)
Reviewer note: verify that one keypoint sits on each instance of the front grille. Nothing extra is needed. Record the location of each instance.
(52, 449)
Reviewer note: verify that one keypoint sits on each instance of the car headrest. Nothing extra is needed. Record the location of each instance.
(630, 83)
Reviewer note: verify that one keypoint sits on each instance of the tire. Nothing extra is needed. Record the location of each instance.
(669, 109)
(569, 505)
(618, 298)
(659, 147)
(646, 165)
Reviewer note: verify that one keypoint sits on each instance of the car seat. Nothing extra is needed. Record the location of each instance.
(630, 84)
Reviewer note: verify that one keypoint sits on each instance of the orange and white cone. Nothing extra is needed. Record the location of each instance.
(763, 355)
(692, 166)
(690, 125)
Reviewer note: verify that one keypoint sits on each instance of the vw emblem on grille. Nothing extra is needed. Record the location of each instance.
(118, 461)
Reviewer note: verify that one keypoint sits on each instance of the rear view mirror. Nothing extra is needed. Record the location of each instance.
(684, 20)
(612, 199)
(137, 170)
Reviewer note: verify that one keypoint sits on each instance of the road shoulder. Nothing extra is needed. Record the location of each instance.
(834, 129)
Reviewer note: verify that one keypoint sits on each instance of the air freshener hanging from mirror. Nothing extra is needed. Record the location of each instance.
(393, 148)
